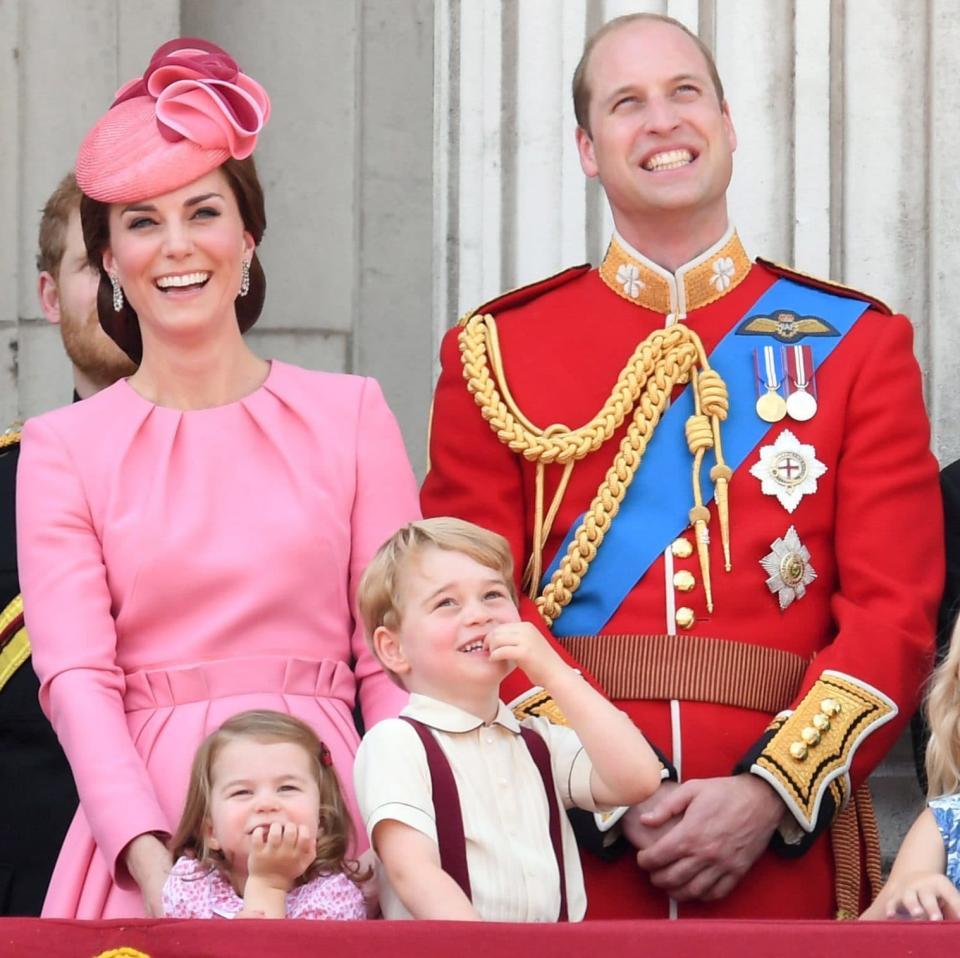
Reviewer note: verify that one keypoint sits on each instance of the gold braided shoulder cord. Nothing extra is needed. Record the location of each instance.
(664, 359)
(11, 435)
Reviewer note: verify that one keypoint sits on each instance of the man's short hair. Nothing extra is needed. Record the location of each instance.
(380, 596)
(581, 91)
(52, 240)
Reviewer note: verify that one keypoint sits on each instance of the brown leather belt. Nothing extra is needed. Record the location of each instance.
(690, 668)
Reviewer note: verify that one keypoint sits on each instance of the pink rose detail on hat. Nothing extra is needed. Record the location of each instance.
(190, 111)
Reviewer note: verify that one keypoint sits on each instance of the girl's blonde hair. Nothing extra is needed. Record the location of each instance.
(335, 831)
(943, 715)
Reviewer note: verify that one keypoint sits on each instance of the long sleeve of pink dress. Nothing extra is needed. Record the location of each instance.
(180, 567)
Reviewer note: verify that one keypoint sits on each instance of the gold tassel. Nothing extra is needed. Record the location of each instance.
(530, 583)
(699, 517)
(720, 474)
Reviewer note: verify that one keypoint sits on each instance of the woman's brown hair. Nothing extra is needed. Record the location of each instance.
(335, 831)
(123, 327)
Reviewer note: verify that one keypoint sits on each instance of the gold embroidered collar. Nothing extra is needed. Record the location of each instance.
(703, 280)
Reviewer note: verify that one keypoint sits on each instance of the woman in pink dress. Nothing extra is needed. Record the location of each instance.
(191, 538)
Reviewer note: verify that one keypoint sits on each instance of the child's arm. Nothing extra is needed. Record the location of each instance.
(917, 886)
(625, 768)
(277, 859)
(412, 863)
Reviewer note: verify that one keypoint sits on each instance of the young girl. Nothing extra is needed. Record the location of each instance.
(925, 877)
(264, 830)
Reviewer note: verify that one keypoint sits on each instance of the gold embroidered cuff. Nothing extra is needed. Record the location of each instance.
(807, 758)
(11, 435)
(538, 702)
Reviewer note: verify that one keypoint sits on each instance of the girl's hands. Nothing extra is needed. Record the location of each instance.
(280, 855)
(918, 886)
(149, 862)
(921, 895)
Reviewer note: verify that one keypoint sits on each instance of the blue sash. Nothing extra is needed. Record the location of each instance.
(655, 509)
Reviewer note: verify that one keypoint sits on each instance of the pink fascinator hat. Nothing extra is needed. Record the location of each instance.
(190, 111)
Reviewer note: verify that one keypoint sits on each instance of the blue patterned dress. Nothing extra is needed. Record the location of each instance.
(946, 811)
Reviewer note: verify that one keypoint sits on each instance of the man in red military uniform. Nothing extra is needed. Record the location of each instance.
(715, 474)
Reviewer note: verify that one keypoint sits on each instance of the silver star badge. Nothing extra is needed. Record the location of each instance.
(788, 568)
(789, 469)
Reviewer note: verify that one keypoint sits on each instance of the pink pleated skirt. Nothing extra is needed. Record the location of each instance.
(169, 712)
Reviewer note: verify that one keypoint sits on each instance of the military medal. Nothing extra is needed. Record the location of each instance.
(801, 403)
(788, 568)
(789, 470)
(771, 406)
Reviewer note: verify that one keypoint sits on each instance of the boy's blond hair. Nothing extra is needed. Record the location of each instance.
(379, 595)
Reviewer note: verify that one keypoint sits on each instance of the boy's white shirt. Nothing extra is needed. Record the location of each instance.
(513, 871)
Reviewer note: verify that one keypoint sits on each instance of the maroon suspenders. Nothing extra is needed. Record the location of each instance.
(446, 804)
(449, 817)
(541, 757)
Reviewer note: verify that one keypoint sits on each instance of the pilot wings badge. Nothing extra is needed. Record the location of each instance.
(786, 326)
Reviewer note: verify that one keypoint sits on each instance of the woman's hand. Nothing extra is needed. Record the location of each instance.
(371, 887)
(149, 862)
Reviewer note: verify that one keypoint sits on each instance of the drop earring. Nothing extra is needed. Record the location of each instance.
(245, 277)
(117, 293)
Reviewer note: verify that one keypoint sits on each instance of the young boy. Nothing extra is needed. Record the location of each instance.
(489, 841)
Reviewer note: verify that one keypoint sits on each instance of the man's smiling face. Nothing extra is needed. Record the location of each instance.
(660, 141)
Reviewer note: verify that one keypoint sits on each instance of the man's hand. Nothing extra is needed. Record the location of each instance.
(523, 644)
(920, 895)
(639, 834)
(280, 855)
(724, 825)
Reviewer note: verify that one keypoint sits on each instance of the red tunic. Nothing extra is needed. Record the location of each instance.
(872, 528)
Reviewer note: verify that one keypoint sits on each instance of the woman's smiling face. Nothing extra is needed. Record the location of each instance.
(179, 257)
